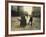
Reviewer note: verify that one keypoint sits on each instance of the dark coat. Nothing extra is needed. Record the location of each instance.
(23, 21)
(31, 19)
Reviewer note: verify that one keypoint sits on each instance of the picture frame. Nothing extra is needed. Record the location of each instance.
(10, 16)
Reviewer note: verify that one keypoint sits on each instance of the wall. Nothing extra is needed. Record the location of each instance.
(2, 19)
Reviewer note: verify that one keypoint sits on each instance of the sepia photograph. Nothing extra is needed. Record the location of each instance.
(25, 18)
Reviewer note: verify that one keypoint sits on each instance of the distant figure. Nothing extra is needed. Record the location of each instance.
(23, 21)
(28, 10)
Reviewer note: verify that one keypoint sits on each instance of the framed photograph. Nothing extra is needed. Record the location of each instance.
(25, 18)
